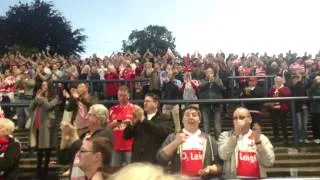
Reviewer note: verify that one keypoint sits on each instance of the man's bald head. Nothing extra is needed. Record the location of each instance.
(242, 110)
(242, 116)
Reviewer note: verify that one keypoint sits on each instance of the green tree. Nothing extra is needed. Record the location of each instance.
(155, 38)
(37, 25)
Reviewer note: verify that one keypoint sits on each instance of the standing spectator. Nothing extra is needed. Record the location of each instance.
(24, 88)
(128, 74)
(85, 72)
(121, 115)
(43, 130)
(7, 85)
(297, 66)
(56, 73)
(298, 89)
(279, 109)
(41, 75)
(97, 86)
(211, 88)
(147, 74)
(191, 152)
(189, 88)
(10, 151)
(148, 132)
(245, 151)
(71, 141)
(111, 88)
(79, 102)
(197, 72)
(253, 91)
(170, 91)
(260, 70)
(315, 110)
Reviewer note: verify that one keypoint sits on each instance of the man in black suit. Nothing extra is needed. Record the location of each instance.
(149, 132)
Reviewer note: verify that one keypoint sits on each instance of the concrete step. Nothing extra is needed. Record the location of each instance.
(297, 163)
(298, 156)
(290, 150)
(294, 172)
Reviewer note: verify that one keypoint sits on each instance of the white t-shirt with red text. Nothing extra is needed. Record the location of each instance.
(248, 164)
(192, 154)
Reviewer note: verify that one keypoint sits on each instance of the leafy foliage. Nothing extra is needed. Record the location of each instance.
(155, 38)
(39, 26)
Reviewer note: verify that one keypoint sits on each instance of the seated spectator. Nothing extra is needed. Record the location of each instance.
(245, 151)
(191, 152)
(95, 157)
(9, 151)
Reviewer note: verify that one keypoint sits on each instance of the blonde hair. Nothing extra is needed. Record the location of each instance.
(7, 124)
(101, 112)
(143, 171)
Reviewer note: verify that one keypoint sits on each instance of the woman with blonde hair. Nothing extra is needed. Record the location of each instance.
(9, 151)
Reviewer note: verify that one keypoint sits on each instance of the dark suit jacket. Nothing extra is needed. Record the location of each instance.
(148, 136)
(257, 92)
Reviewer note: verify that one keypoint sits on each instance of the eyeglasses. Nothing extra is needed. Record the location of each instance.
(84, 151)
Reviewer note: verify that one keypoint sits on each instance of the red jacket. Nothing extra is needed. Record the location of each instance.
(128, 74)
(111, 88)
(282, 92)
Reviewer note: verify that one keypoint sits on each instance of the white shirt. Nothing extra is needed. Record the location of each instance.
(150, 116)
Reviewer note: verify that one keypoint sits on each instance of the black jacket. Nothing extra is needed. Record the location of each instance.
(299, 90)
(170, 90)
(148, 137)
(9, 160)
(257, 92)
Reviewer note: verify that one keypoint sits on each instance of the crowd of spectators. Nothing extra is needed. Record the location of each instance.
(188, 78)
(32, 79)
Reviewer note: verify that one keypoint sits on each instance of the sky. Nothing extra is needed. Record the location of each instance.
(232, 26)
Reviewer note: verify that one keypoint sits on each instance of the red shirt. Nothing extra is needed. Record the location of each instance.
(128, 74)
(111, 88)
(125, 113)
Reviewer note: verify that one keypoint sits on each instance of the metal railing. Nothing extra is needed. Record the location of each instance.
(292, 101)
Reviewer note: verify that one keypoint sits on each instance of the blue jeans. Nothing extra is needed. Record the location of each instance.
(210, 115)
(22, 112)
(302, 118)
(120, 158)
